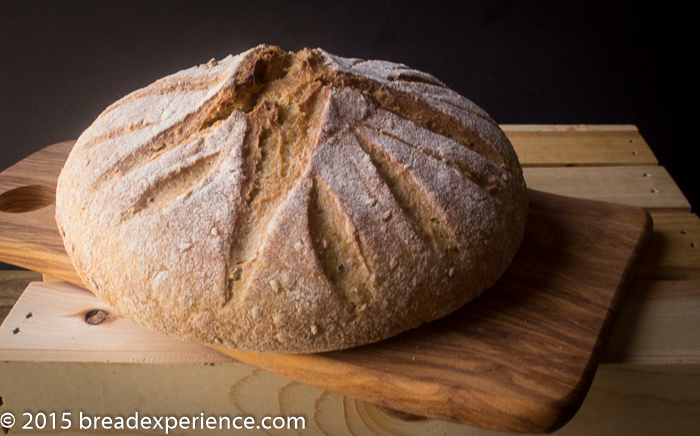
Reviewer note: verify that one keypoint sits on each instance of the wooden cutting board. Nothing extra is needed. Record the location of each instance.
(520, 358)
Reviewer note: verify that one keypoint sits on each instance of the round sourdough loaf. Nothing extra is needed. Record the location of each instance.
(291, 202)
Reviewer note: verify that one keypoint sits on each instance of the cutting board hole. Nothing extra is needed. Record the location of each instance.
(27, 198)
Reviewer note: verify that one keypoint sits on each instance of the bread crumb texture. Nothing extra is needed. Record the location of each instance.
(291, 202)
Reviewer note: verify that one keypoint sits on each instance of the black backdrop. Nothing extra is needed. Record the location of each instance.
(545, 62)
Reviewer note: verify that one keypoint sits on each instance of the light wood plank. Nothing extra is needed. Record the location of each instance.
(623, 400)
(674, 251)
(641, 401)
(659, 323)
(566, 145)
(48, 323)
(649, 187)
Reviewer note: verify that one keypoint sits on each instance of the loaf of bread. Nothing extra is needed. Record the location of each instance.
(291, 202)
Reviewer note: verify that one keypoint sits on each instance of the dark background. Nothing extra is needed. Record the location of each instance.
(546, 62)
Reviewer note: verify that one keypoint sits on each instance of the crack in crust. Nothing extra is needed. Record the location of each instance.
(292, 202)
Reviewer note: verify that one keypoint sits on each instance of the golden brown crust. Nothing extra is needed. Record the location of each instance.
(291, 202)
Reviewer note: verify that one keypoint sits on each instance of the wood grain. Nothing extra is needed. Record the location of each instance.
(623, 400)
(40, 168)
(650, 187)
(49, 322)
(674, 252)
(567, 145)
(658, 324)
(30, 239)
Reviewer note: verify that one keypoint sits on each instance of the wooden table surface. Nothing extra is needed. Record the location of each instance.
(649, 382)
